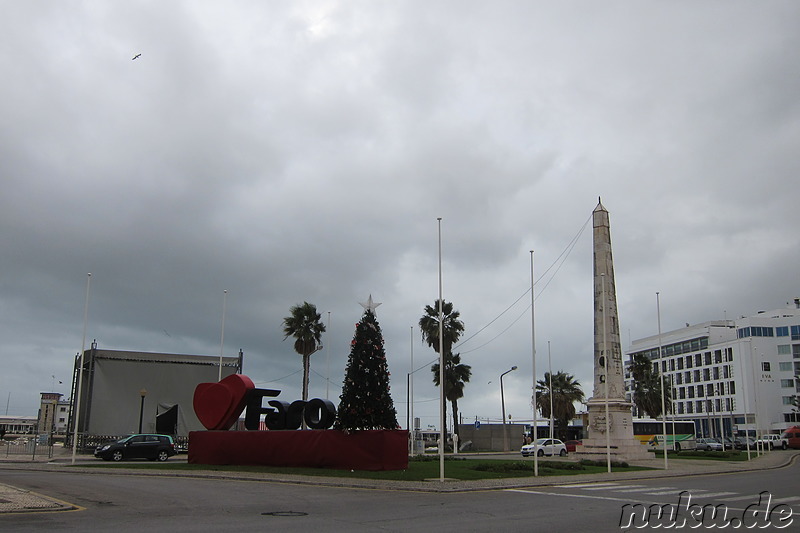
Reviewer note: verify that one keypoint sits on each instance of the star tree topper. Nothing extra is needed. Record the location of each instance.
(369, 305)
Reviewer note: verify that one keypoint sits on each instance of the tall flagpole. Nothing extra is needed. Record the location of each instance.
(411, 396)
(550, 386)
(661, 375)
(606, 366)
(222, 335)
(533, 356)
(441, 362)
(76, 402)
(328, 363)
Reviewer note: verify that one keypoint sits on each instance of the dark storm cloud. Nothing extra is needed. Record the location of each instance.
(303, 151)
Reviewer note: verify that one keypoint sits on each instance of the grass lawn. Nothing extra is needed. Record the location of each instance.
(418, 470)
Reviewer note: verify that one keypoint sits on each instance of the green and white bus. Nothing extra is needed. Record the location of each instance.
(680, 434)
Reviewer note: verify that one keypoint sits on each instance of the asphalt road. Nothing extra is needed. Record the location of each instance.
(125, 503)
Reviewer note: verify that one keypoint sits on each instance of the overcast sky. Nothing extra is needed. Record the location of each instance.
(303, 151)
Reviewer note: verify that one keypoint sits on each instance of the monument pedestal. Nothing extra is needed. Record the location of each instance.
(623, 445)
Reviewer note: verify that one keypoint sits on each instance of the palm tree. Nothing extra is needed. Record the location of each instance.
(647, 386)
(456, 375)
(452, 328)
(304, 325)
(566, 391)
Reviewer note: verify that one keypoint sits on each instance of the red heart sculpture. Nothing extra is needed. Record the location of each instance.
(218, 405)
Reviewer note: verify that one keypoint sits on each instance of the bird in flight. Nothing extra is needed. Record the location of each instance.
(137, 55)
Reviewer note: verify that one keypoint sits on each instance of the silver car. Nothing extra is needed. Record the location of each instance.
(709, 445)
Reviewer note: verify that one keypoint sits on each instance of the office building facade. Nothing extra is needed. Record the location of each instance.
(730, 376)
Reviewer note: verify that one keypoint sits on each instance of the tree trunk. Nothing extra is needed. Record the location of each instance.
(455, 422)
(306, 360)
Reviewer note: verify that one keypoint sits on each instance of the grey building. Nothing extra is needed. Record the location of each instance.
(121, 390)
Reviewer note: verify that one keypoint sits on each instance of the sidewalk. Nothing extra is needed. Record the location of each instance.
(17, 500)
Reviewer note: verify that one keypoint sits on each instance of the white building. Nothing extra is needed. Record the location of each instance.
(737, 375)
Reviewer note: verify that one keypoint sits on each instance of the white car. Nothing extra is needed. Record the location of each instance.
(544, 447)
(772, 441)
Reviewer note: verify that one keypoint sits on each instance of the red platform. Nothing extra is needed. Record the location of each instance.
(359, 450)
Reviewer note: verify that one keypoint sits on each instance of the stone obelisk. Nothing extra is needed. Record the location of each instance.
(610, 426)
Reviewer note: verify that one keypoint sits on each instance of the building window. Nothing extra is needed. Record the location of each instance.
(726, 371)
(717, 356)
(782, 331)
(707, 358)
(698, 359)
(784, 349)
(696, 376)
(689, 408)
(709, 390)
(796, 333)
(785, 367)
(787, 383)
(699, 391)
(706, 374)
(680, 363)
(731, 387)
(765, 366)
(672, 365)
(680, 408)
(699, 405)
(787, 400)
(796, 351)
(679, 378)
(715, 372)
(687, 377)
(681, 393)
(690, 392)
(688, 361)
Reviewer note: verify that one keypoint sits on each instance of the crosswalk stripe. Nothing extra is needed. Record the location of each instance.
(581, 485)
(739, 498)
(645, 489)
(785, 500)
(712, 494)
(675, 491)
(614, 488)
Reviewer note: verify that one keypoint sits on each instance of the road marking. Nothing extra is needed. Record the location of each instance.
(675, 491)
(739, 498)
(644, 489)
(785, 500)
(713, 494)
(567, 495)
(582, 485)
(614, 488)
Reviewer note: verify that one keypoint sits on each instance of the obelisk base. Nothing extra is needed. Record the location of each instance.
(622, 444)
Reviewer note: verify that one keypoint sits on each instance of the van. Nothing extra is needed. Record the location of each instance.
(792, 437)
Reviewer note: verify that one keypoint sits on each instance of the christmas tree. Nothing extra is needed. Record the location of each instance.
(365, 402)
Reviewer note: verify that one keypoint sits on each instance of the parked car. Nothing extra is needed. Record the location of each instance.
(572, 445)
(138, 446)
(544, 447)
(741, 443)
(792, 436)
(772, 441)
(709, 444)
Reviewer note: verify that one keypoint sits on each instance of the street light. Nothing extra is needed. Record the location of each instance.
(142, 393)
(503, 403)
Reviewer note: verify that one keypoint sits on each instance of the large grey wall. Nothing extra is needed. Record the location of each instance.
(115, 399)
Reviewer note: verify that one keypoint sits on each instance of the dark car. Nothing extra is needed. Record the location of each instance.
(139, 446)
(572, 445)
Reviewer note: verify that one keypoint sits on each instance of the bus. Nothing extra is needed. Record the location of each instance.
(680, 434)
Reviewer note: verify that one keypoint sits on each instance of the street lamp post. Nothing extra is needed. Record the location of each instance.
(503, 404)
(142, 393)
